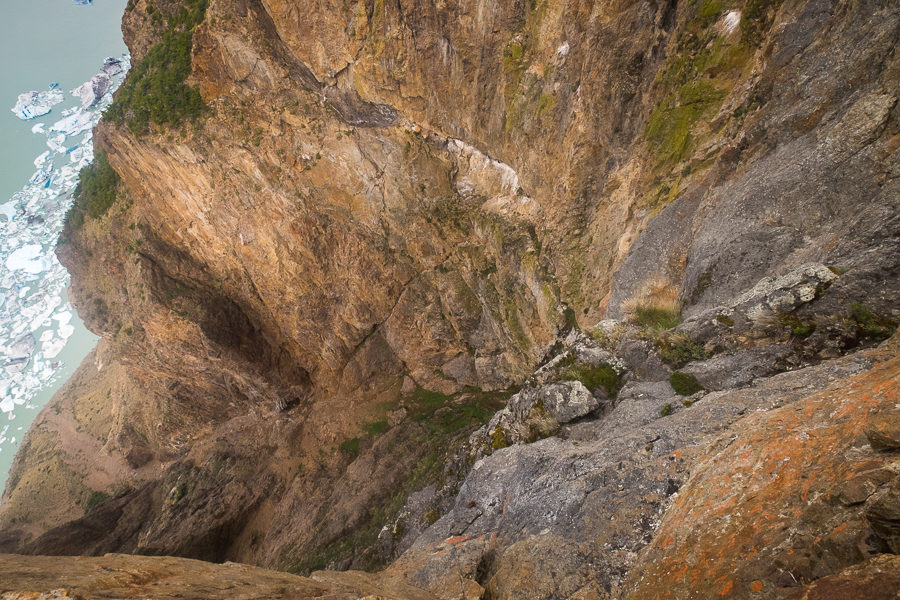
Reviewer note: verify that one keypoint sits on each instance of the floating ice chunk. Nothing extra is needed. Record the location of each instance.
(112, 66)
(53, 347)
(92, 91)
(41, 176)
(76, 154)
(66, 331)
(27, 258)
(63, 317)
(55, 142)
(38, 128)
(6, 405)
(8, 209)
(34, 104)
(40, 160)
(19, 353)
(74, 124)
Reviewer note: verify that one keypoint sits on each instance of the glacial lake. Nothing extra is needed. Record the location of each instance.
(42, 341)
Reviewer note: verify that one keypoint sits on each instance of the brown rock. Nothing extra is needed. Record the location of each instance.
(883, 431)
(166, 578)
(875, 579)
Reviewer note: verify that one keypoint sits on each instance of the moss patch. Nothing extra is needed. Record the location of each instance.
(350, 447)
(872, 325)
(376, 427)
(685, 384)
(498, 438)
(95, 499)
(601, 376)
(444, 415)
(670, 124)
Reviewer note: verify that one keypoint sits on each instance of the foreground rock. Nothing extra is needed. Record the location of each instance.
(166, 578)
(735, 494)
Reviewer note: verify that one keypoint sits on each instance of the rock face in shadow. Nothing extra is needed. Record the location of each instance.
(348, 310)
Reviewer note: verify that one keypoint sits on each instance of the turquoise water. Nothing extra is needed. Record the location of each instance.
(42, 41)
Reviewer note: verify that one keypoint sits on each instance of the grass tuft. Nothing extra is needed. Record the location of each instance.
(656, 317)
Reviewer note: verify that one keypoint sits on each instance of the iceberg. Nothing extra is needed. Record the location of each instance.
(41, 176)
(74, 124)
(92, 91)
(19, 353)
(52, 347)
(35, 104)
(112, 66)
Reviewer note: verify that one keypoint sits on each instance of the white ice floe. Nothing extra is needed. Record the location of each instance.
(55, 142)
(27, 258)
(74, 124)
(52, 347)
(40, 160)
(8, 209)
(35, 104)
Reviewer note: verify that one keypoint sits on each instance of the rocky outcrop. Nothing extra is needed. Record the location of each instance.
(163, 578)
(572, 515)
(324, 293)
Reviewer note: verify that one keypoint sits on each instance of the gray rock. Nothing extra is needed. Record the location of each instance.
(641, 358)
(738, 369)
(567, 400)
(595, 497)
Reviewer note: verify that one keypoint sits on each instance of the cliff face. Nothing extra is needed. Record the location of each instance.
(313, 290)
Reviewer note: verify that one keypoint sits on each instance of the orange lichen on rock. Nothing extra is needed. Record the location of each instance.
(771, 506)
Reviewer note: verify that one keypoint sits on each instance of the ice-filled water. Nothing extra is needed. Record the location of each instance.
(34, 317)
(47, 140)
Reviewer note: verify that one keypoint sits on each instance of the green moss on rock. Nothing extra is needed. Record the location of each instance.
(685, 384)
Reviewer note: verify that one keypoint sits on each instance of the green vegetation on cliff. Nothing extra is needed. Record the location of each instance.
(95, 193)
(155, 91)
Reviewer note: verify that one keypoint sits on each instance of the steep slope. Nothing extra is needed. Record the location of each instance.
(354, 230)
